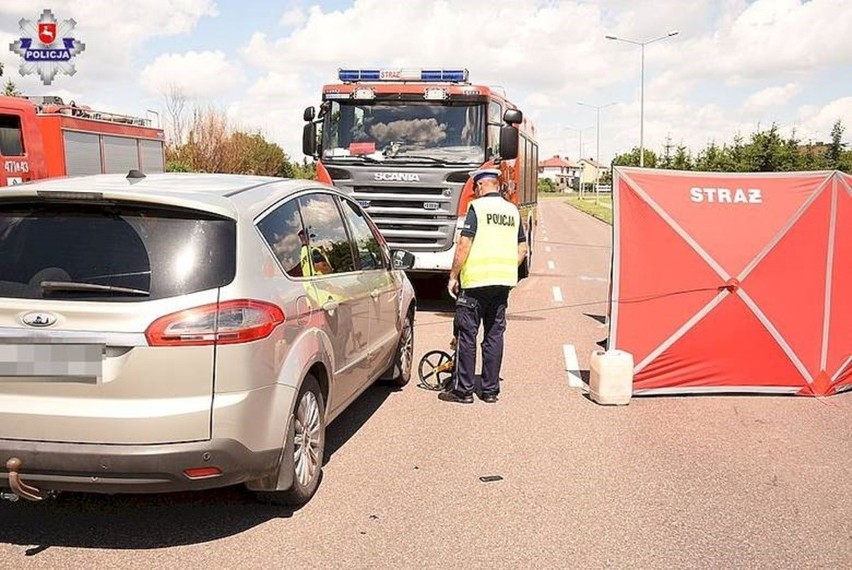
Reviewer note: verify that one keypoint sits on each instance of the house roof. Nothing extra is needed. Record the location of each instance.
(591, 161)
(555, 162)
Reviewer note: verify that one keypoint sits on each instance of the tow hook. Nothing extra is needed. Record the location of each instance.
(19, 488)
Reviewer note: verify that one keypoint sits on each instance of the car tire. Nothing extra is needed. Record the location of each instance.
(399, 373)
(308, 448)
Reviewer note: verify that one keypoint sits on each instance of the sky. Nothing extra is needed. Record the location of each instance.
(734, 66)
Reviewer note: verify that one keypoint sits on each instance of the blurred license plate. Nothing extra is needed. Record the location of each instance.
(52, 360)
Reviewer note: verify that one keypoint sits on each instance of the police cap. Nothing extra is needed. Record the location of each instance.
(478, 175)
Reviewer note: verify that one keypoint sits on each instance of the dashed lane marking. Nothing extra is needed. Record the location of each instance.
(551, 265)
(572, 366)
(557, 294)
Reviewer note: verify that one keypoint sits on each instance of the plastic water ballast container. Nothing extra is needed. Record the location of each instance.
(611, 378)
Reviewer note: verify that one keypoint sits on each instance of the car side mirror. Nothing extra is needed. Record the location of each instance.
(309, 114)
(401, 259)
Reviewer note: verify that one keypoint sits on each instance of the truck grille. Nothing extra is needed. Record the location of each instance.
(415, 218)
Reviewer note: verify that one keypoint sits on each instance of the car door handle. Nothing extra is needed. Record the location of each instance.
(330, 306)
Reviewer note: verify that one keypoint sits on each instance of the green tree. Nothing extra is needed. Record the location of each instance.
(711, 158)
(682, 158)
(764, 153)
(667, 160)
(835, 148)
(736, 155)
(255, 155)
(10, 89)
(846, 162)
(546, 185)
(632, 158)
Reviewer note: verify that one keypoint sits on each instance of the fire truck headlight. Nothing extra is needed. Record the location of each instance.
(436, 94)
(363, 94)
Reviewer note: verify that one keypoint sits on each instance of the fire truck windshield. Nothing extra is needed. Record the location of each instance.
(390, 130)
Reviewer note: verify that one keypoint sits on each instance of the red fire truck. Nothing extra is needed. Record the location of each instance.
(402, 142)
(41, 137)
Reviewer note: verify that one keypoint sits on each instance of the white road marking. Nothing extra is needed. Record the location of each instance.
(591, 278)
(547, 248)
(557, 294)
(550, 265)
(572, 366)
(545, 238)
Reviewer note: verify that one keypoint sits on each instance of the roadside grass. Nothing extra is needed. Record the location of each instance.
(601, 211)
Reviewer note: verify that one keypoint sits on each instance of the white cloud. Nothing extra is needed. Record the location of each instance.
(816, 122)
(764, 99)
(195, 74)
(770, 37)
(293, 18)
(548, 55)
(273, 106)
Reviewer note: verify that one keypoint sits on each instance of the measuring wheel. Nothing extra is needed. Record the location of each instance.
(436, 369)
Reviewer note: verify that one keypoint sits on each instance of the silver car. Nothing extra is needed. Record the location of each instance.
(188, 331)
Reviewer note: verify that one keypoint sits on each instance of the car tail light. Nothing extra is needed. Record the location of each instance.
(231, 322)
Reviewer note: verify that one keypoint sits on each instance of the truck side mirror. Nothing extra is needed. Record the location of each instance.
(513, 116)
(309, 139)
(508, 142)
(309, 114)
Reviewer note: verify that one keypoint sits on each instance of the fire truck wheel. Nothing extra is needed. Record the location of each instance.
(525, 267)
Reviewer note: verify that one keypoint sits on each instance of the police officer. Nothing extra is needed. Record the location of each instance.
(491, 246)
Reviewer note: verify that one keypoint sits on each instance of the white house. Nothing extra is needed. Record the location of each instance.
(564, 173)
(591, 169)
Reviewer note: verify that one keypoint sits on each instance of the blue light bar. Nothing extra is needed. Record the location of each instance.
(358, 74)
(424, 75)
(453, 75)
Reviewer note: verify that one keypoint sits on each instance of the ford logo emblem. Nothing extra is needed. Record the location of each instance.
(39, 319)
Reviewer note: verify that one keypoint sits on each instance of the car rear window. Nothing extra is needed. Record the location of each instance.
(132, 252)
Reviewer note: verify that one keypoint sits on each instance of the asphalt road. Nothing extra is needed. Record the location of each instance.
(674, 482)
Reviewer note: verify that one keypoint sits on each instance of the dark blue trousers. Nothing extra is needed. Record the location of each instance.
(486, 306)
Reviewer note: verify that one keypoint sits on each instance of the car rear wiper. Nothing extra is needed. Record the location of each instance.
(77, 286)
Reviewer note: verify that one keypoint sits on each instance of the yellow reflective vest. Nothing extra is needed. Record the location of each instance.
(493, 257)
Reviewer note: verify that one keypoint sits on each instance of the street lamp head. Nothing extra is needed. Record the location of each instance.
(609, 37)
(673, 33)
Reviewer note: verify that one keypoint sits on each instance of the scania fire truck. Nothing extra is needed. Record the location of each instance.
(402, 143)
(41, 137)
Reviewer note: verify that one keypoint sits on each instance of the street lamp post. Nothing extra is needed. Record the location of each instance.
(642, 87)
(153, 112)
(597, 109)
(580, 148)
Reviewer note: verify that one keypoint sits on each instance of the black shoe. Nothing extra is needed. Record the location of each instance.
(453, 396)
(489, 398)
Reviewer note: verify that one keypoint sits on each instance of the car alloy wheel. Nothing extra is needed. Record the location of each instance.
(308, 444)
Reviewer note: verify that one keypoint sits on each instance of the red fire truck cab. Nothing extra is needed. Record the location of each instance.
(42, 137)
